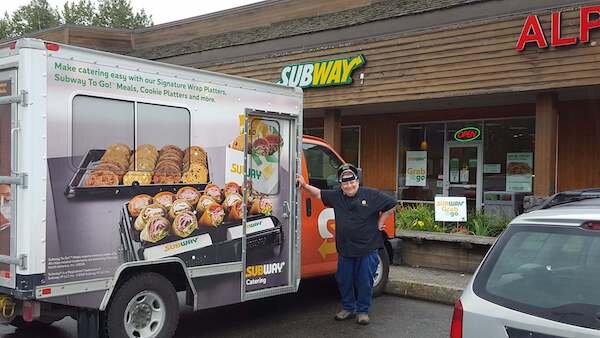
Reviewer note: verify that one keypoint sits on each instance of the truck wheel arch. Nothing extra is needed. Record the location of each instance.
(172, 269)
(388, 246)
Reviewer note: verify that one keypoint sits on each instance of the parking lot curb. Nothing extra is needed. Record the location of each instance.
(423, 291)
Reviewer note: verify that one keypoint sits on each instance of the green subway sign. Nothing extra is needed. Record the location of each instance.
(336, 72)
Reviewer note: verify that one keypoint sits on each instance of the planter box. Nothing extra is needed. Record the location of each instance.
(454, 252)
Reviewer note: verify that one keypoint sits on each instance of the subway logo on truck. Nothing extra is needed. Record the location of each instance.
(321, 73)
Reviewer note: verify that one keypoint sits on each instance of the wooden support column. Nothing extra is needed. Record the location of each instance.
(67, 35)
(332, 129)
(546, 127)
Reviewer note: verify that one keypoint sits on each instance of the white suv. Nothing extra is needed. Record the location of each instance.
(541, 279)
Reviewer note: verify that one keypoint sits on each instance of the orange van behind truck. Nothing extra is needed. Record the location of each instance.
(319, 256)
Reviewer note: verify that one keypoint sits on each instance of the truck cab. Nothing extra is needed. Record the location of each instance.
(319, 256)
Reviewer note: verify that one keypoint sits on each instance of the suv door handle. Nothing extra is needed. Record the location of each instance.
(308, 207)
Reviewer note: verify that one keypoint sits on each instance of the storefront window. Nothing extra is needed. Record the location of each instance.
(508, 155)
(317, 132)
(350, 142)
(421, 161)
(477, 156)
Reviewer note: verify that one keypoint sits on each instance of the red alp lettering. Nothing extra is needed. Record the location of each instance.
(537, 36)
(585, 24)
(557, 40)
(532, 29)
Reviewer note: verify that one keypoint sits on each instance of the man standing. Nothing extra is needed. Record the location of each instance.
(360, 213)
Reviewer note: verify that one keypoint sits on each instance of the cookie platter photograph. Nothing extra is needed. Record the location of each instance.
(119, 169)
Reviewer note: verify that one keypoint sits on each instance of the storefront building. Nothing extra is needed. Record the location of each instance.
(472, 98)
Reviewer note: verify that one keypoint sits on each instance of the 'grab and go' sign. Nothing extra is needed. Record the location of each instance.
(321, 73)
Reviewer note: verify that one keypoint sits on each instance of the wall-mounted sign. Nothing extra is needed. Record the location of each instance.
(326, 73)
(492, 168)
(416, 168)
(532, 31)
(467, 134)
(450, 209)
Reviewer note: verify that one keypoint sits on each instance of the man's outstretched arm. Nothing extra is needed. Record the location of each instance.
(312, 191)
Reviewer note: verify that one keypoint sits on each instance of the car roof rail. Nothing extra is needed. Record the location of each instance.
(570, 196)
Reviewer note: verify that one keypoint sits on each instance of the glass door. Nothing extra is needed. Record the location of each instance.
(463, 172)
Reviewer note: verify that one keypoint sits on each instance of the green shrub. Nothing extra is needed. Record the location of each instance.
(481, 224)
(498, 225)
(419, 217)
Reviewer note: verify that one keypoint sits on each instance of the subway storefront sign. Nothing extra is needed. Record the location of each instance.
(326, 73)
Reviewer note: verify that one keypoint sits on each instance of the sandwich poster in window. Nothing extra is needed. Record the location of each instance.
(519, 171)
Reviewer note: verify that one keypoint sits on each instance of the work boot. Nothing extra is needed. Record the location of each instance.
(362, 319)
(344, 314)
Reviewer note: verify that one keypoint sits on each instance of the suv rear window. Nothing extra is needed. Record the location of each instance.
(546, 271)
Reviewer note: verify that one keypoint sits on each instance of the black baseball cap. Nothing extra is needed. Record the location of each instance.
(347, 167)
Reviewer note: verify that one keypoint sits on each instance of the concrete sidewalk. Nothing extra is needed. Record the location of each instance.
(428, 284)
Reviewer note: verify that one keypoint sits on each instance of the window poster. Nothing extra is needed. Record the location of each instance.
(519, 171)
(416, 168)
(454, 170)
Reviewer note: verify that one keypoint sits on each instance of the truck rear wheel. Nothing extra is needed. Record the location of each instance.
(381, 274)
(145, 306)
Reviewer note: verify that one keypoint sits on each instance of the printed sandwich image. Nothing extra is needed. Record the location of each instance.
(210, 216)
(518, 168)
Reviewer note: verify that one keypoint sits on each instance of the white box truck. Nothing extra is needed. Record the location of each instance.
(125, 181)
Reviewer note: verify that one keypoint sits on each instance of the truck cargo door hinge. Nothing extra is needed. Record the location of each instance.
(21, 98)
(20, 261)
(16, 179)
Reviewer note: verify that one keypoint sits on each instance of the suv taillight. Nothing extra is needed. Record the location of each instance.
(593, 225)
(457, 321)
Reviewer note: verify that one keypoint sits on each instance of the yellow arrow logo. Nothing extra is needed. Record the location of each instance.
(327, 248)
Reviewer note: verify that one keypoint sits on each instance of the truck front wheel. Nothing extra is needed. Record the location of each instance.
(381, 274)
(144, 306)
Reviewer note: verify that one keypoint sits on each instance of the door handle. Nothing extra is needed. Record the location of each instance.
(13, 143)
(308, 207)
(286, 209)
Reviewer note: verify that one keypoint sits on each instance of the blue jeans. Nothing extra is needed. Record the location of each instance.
(355, 281)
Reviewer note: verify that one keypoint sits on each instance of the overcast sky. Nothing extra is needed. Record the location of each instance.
(161, 10)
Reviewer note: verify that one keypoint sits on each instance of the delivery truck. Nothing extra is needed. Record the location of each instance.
(124, 182)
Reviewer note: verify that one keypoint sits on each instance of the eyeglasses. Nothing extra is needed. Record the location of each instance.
(348, 182)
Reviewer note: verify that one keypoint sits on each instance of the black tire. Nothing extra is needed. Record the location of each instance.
(384, 259)
(148, 281)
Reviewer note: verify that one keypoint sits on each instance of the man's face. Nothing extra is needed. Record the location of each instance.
(350, 187)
